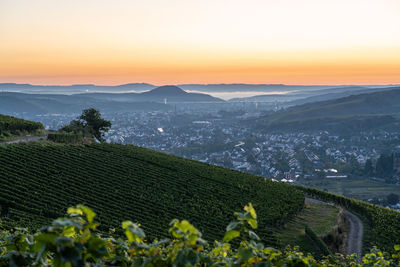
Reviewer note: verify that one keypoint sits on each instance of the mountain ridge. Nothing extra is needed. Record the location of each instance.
(140, 87)
(366, 109)
(17, 102)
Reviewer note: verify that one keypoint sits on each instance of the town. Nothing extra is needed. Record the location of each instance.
(223, 138)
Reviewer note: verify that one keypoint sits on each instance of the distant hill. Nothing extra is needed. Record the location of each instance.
(140, 87)
(73, 89)
(267, 98)
(160, 94)
(298, 97)
(14, 102)
(250, 87)
(11, 103)
(167, 90)
(334, 94)
(176, 94)
(356, 112)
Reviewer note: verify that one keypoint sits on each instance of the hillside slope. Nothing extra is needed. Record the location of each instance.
(158, 95)
(11, 126)
(355, 111)
(131, 183)
(12, 102)
(43, 103)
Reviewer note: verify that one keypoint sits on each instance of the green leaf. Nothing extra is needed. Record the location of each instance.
(245, 254)
(253, 223)
(90, 214)
(74, 211)
(130, 236)
(133, 232)
(249, 208)
(69, 231)
(138, 231)
(396, 247)
(126, 224)
(67, 222)
(185, 226)
(241, 216)
(45, 237)
(232, 226)
(231, 235)
(253, 235)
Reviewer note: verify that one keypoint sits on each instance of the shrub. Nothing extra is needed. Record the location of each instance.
(73, 241)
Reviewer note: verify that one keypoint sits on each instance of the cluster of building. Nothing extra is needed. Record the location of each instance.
(227, 142)
(224, 140)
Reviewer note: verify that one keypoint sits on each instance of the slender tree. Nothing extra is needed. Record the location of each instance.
(92, 119)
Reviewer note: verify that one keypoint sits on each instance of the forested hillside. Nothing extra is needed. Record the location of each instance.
(129, 183)
(10, 126)
(352, 113)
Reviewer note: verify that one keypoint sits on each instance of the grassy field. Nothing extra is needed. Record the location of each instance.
(362, 189)
(321, 218)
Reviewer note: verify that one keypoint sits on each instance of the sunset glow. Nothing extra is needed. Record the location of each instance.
(209, 41)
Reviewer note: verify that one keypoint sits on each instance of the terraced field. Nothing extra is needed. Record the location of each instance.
(129, 183)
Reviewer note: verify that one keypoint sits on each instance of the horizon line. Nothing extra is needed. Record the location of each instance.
(166, 84)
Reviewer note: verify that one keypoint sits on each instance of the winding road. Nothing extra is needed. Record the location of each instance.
(355, 234)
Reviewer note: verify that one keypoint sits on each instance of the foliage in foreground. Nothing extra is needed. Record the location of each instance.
(73, 241)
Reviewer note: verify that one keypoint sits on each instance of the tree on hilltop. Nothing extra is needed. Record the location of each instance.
(91, 123)
(92, 118)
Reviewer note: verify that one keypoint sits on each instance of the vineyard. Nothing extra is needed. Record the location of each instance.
(14, 126)
(75, 241)
(62, 137)
(130, 183)
(383, 224)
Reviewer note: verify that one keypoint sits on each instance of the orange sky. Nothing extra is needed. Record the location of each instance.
(208, 41)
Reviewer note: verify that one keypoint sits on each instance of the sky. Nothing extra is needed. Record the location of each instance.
(112, 42)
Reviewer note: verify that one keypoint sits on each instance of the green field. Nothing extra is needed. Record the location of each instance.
(362, 189)
(321, 218)
(130, 183)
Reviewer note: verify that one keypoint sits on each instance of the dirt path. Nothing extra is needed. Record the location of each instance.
(355, 234)
(24, 139)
